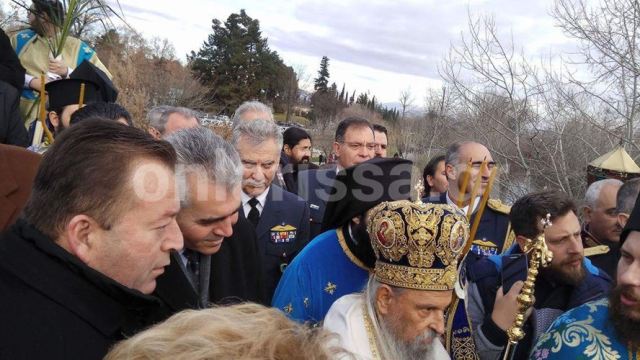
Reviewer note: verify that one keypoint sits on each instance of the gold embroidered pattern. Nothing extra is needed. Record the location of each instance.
(416, 278)
(371, 335)
(464, 349)
(345, 248)
(330, 288)
(417, 245)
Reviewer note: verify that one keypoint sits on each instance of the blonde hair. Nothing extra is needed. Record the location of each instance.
(243, 331)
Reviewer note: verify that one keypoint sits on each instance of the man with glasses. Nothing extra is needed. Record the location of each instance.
(354, 143)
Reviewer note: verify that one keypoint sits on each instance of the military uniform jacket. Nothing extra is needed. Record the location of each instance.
(282, 232)
(603, 254)
(53, 306)
(315, 187)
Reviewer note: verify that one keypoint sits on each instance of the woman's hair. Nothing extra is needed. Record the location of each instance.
(243, 331)
(430, 169)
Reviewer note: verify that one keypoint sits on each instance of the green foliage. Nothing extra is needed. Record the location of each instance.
(321, 83)
(238, 65)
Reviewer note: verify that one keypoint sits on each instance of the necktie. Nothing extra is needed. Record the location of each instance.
(193, 263)
(254, 214)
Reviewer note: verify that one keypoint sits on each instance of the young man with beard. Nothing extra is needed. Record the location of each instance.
(400, 314)
(338, 261)
(606, 328)
(295, 156)
(569, 281)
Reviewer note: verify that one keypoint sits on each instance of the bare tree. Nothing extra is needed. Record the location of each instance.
(406, 101)
(608, 34)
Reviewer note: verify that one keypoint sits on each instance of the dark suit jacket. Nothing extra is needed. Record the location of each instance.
(278, 247)
(235, 275)
(18, 168)
(315, 186)
(53, 306)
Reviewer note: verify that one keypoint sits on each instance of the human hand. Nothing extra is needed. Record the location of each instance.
(57, 67)
(36, 84)
(505, 307)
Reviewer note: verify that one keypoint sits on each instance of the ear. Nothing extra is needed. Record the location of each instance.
(154, 132)
(450, 171)
(286, 149)
(336, 148)
(430, 180)
(622, 219)
(356, 220)
(384, 298)
(54, 119)
(521, 240)
(80, 237)
(586, 214)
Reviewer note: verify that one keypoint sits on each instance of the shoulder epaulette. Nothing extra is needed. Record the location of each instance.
(499, 206)
(596, 250)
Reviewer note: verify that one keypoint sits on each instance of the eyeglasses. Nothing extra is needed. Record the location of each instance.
(477, 164)
(357, 146)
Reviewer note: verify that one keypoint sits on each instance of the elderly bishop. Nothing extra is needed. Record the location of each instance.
(401, 312)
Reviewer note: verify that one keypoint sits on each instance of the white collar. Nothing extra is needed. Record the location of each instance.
(464, 208)
(262, 198)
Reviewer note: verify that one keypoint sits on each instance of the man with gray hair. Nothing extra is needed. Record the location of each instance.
(252, 110)
(280, 218)
(209, 176)
(600, 228)
(164, 120)
(626, 199)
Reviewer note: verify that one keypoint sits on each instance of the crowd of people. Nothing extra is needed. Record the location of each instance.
(174, 242)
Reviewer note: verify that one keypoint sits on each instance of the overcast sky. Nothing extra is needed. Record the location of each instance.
(380, 46)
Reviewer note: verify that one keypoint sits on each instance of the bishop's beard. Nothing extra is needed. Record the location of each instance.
(394, 347)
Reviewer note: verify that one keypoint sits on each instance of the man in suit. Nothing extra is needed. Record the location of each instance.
(19, 167)
(354, 143)
(77, 269)
(210, 179)
(280, 218)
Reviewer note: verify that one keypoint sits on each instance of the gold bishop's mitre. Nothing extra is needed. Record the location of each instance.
(417, 245)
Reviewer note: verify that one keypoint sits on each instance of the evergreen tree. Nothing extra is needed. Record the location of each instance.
(321, 83)
(238, 65)
(341, 98)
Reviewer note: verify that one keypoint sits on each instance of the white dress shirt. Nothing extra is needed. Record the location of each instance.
(262, 198)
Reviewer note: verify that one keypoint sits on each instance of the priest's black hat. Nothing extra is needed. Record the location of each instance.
(88, 71)
(633, 224)
(365, 185)
(67, 92)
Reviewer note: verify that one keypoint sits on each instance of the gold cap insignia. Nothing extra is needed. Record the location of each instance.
(417, 245)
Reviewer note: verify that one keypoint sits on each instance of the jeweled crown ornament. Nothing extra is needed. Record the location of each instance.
(417, 245)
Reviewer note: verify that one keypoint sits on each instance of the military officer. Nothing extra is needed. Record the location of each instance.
(493, 235)
(280, 218)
